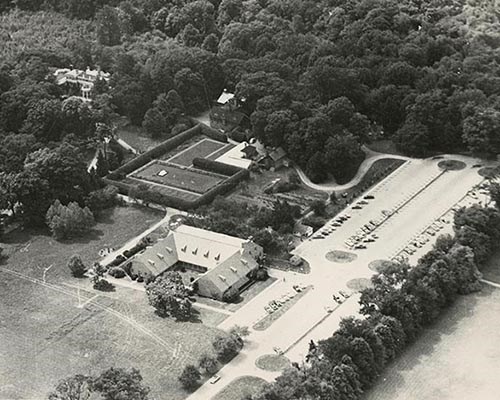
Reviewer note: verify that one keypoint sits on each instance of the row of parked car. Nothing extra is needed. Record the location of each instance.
(422, 239)
(274, 305)
(331, 227)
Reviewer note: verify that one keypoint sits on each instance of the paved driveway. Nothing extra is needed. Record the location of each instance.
(417, 193)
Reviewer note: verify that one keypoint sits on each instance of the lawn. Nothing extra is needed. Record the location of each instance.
(45, 335)
(272, 362)
(241, 388)
(491, 271)
(137, 138)
(192, 180)
(167, 190)
(252, 190)
(458, 358)
(385, 146)
(202, 149)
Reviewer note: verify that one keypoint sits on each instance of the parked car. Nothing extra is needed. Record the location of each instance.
(214, 379)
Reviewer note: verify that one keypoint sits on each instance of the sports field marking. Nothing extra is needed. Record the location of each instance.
(125, 318)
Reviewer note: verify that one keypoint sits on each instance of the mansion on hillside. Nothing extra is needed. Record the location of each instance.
(217, 265)
(81, 80)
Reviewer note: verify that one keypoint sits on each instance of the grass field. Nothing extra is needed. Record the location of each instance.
(188, 179)
(137, 138)
(167, 190)
(241, 388)
(202, 149)
(458, 358)
(45, 335)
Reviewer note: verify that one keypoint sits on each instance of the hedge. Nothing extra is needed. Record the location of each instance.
(154, 153)
(215, 166)
(222, 188)
(153, 195)
(211, 132)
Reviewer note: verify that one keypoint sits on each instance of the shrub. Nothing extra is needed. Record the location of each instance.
(318, 207)
(189, 377)
(117, 261)
(208, 364)
(116, 272)
(102, 199)
(103, 285)
(76, 266)
(227, 347)
(215, 166)
(168, 295)
(67, 221)
(232, 295)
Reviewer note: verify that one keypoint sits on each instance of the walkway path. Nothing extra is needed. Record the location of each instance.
(126, 146)
(132, 242)
(372, 157)
(490, 283)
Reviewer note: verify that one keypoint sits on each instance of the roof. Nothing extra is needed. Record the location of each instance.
(159, 257)
(204, 248)
(77, 74)
(230, 271)
(225, 97)
(190, 245)
(236, 157)
(277, 154)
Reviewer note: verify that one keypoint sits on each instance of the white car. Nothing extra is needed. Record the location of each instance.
(214, 379)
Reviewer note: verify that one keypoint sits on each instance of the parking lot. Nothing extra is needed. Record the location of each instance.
(416, 198)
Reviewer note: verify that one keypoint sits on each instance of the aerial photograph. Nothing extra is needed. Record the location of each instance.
(249, 199)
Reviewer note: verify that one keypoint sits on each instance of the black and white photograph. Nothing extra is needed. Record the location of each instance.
(249, 199)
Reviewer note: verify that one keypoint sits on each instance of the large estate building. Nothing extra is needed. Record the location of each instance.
(216, 264)
(83, 80)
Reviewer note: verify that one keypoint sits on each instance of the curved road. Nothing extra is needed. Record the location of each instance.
(372, 157)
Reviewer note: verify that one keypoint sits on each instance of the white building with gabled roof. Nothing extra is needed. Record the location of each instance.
(223, 263)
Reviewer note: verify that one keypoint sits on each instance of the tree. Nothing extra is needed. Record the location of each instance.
(101, 199)
(33, 193)
(494, 190)
(101, 165)
(190, 377)
(343, 155)
(108, 26)
(74, 388)
(76, 266)
(226, 347)
(239, 332)
(318, 207)
(413, 138)
(44, 120)
(210, 43)
(14, 149)
(480, 131)
(169, 296)
(208, 364)
(63, 169)
(68, 221)
(155, 123)
(119, 384)
(283, 216)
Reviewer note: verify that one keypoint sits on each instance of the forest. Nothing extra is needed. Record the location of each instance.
(320, 78)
